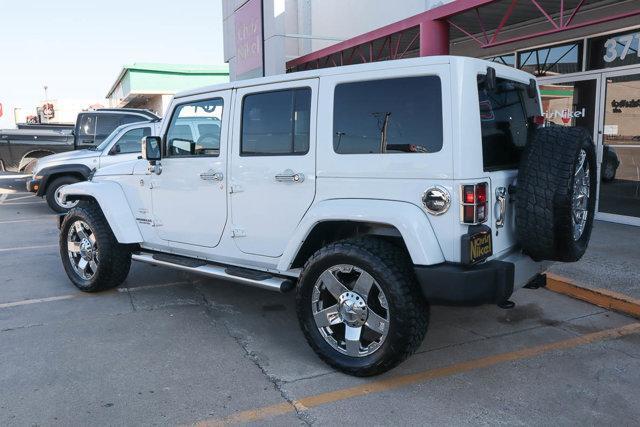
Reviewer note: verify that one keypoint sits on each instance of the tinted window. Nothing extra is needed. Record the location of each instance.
(505, 122)
(195, 129)
(132, 119)
(130, 141)
(509, 59)
(87, 129)
(276, 123)
(552, 60)
(106, 123)
(401, 115)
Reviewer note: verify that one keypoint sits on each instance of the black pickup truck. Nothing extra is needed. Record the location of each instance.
(20, 148)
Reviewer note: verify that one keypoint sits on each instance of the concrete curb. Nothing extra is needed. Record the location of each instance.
(601, 297)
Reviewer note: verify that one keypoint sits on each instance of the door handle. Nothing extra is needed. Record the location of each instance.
(501, 200)
(211, 176)
(290, 176)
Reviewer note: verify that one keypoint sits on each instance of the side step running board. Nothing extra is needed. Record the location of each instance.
(235, 274)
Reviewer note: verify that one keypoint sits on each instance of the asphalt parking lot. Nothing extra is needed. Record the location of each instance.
(170, 348)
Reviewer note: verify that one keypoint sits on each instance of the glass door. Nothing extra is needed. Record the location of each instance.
(571, 101)
(620, 156)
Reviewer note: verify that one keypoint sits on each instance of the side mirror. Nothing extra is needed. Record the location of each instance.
(491, 81)
(115, 150)
(151, 148)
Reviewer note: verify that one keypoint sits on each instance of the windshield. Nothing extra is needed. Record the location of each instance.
(104, 144)
(505, 118)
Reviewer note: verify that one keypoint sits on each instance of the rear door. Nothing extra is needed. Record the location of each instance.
(272, 164)
(506, 121)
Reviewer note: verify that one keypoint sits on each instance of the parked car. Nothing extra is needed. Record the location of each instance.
(373, 190)
(54, 172)
(20, 148)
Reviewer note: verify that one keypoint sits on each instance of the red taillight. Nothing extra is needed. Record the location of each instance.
(538, 120)
(481, 193)
(469, 194)
(474, 203)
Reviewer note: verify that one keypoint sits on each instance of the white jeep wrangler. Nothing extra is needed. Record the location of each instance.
(372, 190)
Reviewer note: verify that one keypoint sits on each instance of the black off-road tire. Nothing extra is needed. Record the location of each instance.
(389, 265)
(544, 194)
(50, 195)
(114, 259)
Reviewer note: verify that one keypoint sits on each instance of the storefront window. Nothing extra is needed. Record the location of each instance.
(509, 60)
(620, 170)
(614, 50)
(552, 60)
(569, 103)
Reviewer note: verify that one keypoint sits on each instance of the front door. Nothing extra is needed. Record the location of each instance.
(620, 168)
(189, 196)
(272, 164)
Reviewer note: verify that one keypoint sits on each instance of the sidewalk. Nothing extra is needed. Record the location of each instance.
(608, 274)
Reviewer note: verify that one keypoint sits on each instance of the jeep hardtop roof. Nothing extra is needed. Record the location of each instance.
(349, 69)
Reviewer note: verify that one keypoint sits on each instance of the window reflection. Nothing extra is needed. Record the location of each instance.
(509, 60)
(552, 60)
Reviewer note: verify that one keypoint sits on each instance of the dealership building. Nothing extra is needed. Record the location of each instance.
(152, 86)
(585, 54)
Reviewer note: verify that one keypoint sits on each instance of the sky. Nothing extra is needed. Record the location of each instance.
(78, 47)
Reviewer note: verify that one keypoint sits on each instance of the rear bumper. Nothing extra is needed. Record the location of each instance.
(491, 282)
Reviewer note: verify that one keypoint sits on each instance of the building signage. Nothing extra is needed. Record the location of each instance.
(624, 103)
(621, 46)
(48, 112)
(249, 40)
(565, 115)
(614, 50)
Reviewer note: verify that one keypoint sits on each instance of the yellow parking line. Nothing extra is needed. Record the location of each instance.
(27, 247)
(406, 380)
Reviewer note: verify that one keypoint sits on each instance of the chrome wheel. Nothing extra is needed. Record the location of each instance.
(580, 199)
(350, 310)
(60, 201)
(82, 250)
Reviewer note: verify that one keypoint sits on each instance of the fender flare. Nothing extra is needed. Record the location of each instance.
(407, 218)
(115, 207)
(47, 173)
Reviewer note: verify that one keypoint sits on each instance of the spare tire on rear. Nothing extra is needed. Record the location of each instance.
(555, 198)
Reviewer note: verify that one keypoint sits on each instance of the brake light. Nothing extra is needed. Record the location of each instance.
(474, 203)
(538, 120)
(469, 194)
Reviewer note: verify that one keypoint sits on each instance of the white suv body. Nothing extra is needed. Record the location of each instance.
(266, 195)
